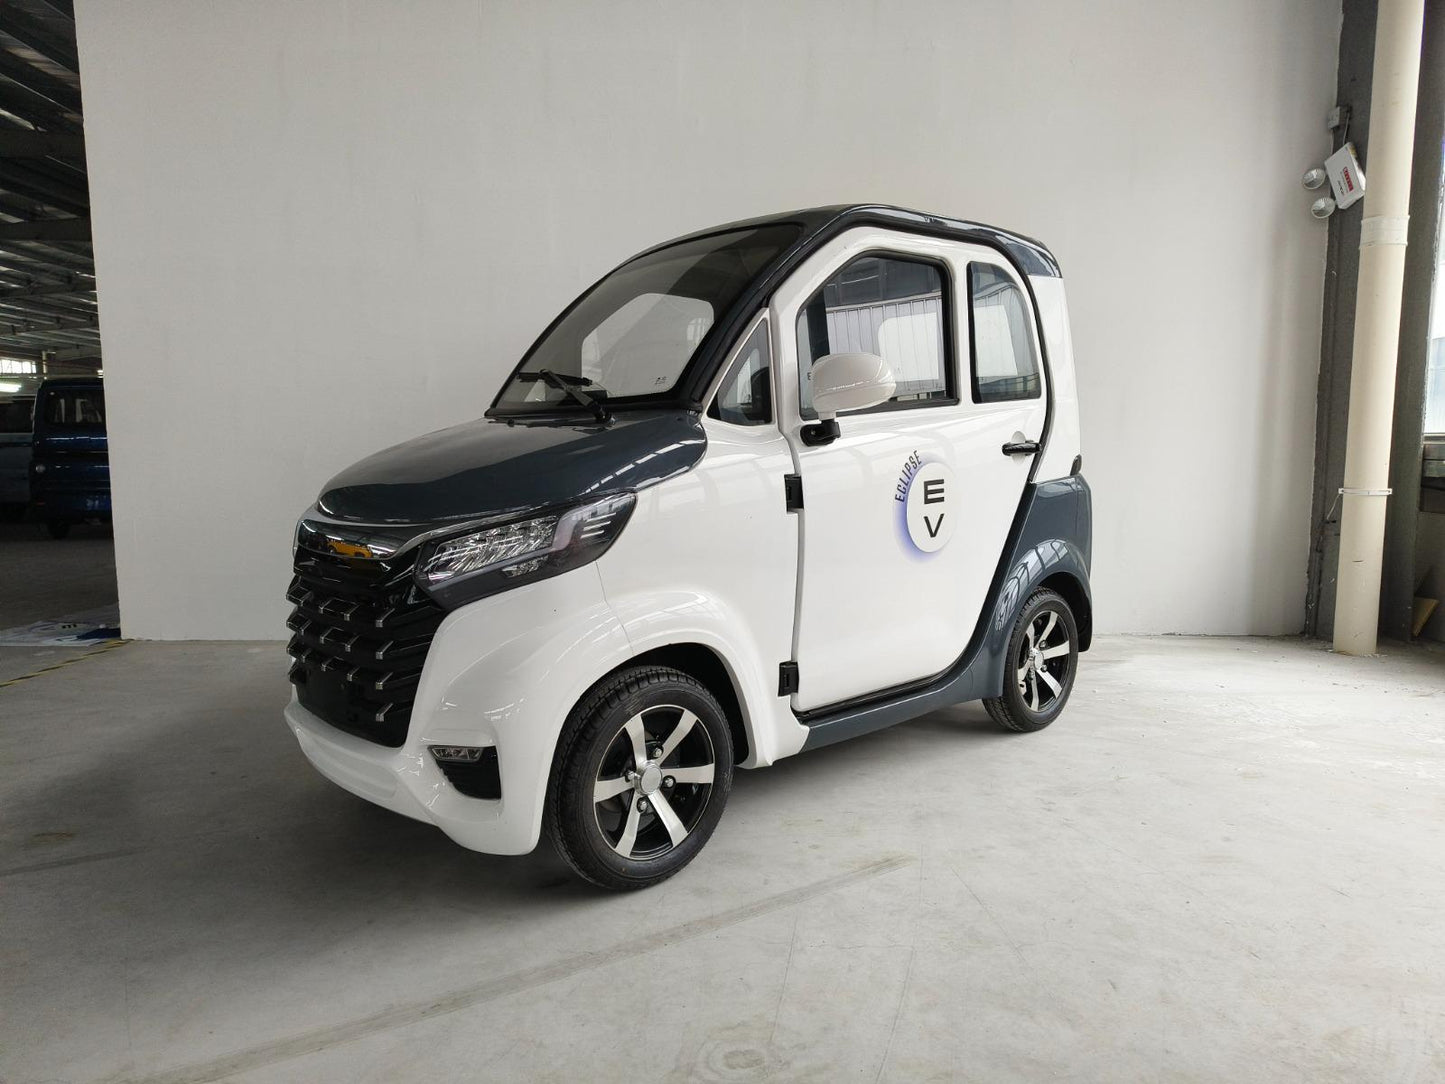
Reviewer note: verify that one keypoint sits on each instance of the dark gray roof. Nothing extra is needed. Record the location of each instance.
(1032, 257)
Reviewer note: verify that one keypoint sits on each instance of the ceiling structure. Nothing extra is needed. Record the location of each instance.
(47, 269)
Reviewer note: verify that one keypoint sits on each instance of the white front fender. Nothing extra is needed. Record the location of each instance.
(660, 618)
(504, 672)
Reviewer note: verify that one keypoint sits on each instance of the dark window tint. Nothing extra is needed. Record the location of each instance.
(882, 305)
(745, 396)
(75, 406)
(1004, 363)
(16, 414)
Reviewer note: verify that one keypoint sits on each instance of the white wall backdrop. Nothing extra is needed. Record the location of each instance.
(324, 226)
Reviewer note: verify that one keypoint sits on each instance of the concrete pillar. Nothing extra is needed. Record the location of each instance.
(1386, 218)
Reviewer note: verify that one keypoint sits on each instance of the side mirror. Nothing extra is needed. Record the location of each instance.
(846, 382)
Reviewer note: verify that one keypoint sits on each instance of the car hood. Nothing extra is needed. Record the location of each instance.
(496, 465)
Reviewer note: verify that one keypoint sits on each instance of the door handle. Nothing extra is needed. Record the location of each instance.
(1021, 447)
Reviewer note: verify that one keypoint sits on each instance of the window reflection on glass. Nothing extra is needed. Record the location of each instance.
(635, 350)
(745, 396)
(1435, 364)
(879, 305)
(78, 407)
(1004, 364)
(633, 334)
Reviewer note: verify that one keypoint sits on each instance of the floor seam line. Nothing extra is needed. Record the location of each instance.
(320, 1039)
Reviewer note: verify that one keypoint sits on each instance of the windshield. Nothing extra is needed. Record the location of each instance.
(635, 331)
(74, 408)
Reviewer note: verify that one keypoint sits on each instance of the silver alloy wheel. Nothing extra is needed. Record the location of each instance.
(1042, 667)
(654, 781)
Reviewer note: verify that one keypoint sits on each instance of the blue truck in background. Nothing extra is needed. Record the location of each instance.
(70, 457)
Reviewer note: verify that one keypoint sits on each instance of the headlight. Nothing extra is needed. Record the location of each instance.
(511, 548)
(470, 566)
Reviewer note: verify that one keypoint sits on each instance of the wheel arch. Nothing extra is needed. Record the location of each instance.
(1055, 563)
(1076, 594)
(705, 664)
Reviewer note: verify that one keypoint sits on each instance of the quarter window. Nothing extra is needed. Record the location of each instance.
(1005, 365)
(745, 396)
(882, 305)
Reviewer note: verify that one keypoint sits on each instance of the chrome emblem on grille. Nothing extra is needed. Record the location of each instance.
(348, 549)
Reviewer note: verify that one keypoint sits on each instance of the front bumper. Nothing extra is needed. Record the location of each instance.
(403, 780)
(502, 672)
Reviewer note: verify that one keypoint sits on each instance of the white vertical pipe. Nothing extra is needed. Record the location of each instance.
(1386, 208)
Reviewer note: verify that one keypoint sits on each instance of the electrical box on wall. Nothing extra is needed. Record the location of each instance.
(1347, 180)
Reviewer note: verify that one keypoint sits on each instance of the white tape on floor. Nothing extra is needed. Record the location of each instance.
(74, 630)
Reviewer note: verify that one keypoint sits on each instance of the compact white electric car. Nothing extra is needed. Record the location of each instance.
(762, 488)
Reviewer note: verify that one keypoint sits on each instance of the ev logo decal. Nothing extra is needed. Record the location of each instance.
(926, 492)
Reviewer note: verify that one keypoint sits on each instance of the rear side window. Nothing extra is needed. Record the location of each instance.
(745, 396)
(1005, 365)
(884, 305)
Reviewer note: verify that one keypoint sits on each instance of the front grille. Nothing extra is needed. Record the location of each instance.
(360, 632)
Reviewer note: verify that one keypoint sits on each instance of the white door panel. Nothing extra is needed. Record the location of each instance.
(710, 557)
(880, 604)
(875, 608)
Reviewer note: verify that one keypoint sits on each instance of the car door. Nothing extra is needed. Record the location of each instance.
(906, 513)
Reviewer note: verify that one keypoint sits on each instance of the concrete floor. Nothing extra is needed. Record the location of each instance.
(44, 579)
(1226, 862)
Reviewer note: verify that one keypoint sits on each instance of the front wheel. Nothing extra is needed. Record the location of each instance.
(640, 777)
(1043, 655)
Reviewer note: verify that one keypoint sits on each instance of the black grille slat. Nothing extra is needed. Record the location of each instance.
(382, 652)
(360, 650)
(341, 584)
(365, 616)
(365, 682)
(360, 635)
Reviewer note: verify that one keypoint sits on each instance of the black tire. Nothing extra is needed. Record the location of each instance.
(12, 513)
(58, 528)
(597, 751)
(1032, 700)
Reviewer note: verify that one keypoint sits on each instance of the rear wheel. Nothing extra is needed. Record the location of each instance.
(58, 528)
(640, 778)
(1043, 655)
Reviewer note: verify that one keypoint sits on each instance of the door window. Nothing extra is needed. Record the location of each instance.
(884, 305)
(745, 396)
(1005, 365)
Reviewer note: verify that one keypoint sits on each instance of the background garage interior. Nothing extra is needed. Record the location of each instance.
(322, 227)
(354, 218)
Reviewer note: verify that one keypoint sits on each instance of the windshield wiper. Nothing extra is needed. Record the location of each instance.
(575, 393)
